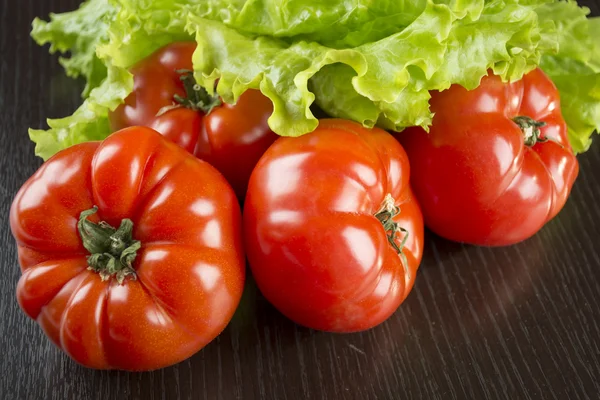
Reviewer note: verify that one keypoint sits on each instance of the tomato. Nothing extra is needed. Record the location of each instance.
(231, 137)
(496, 165)
(333, 233)
(153, 283)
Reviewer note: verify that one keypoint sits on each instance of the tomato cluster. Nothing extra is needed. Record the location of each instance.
(166, 98)
(133, 250)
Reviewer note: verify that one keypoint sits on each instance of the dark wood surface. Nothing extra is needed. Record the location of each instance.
(521, 322)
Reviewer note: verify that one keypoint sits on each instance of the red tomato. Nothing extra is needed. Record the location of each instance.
(496, 165)
(154, 291)
(230, 137)
(333, 233)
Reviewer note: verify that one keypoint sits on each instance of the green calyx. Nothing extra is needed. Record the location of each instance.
(385, 215)
(531, 130)
(196, 97)
(112, 251)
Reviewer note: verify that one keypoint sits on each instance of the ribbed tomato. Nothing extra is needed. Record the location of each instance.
(333, 233)
(497, 163)
(157, 279)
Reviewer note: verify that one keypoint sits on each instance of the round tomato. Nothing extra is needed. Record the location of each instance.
(165, 97)
(130, 250)
(496, 164)
(333, 233)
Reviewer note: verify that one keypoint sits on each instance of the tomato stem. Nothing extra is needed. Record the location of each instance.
(531, 130)
(196, 97)
(112, 251)
(385, 215)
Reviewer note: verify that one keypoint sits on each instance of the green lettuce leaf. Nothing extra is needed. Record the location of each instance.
(137, 28)
(90, 121)
(373, 61)
(386, 82)
(575, 69)
(78, 32)
(334, 23)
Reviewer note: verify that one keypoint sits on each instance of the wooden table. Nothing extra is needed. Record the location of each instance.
(520, 322)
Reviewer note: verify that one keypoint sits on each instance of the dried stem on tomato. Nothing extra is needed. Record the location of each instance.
(385, 215)
(531, 130)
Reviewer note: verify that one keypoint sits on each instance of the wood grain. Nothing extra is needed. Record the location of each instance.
(521, 322)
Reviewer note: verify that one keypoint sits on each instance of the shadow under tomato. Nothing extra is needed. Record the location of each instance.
(444, 246)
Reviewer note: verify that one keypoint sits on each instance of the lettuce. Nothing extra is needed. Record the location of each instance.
(373, 61)
(575, 69)
(78, 32)
(140, 27)
(386, 82)
(334, 23)
(137, 29)
(90, 121)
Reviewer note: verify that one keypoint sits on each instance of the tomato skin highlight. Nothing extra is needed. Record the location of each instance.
(475, 178)
(232, 137)
(189, 272)
(315, 248)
